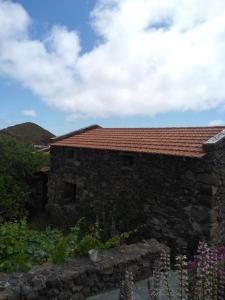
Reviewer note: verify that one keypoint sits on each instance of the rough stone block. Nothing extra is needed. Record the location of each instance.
(208, 179)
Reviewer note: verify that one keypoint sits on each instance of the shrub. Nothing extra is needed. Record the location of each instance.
(13, 197)
(18, 163)
(22, 247)
(65, 247)
(93, 240)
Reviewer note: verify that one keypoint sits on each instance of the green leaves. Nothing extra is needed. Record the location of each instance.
(18, 163)
(22, 247)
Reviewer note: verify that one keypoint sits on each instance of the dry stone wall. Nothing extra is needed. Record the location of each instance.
(217, 159)
(80, 278)
(166, 197)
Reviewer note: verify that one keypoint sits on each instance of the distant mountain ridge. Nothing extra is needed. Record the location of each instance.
(29, 133)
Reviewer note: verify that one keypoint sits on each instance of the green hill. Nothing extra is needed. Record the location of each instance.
(29, 133)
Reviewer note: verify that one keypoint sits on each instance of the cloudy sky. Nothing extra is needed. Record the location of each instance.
(68, 64)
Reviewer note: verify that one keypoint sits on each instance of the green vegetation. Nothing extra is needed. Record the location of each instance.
(22, 247)
(18, 163)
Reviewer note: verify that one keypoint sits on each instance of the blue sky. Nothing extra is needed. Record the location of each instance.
(23, 101)
(15, 98)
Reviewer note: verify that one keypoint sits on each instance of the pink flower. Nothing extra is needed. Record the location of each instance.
(192, 264)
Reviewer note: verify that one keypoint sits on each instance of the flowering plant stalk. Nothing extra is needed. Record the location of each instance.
(202, 278)
(127, 286)
(182, 273)
(165, 270)
(154, 284)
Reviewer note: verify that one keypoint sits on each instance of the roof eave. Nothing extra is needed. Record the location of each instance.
(181, 155)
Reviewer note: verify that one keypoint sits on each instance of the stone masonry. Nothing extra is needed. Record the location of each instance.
(177, 200)
(79, 278)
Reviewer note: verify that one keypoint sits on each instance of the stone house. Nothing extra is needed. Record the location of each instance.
(169, 183)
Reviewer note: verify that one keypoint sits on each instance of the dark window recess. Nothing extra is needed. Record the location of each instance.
(70, 191)
(128, 160)
(69, 154)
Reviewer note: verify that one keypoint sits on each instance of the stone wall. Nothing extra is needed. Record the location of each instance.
(80, 278)
(217, 159)
(166, 197)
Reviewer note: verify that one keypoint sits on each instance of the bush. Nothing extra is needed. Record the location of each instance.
(93, 240)
(22, 247)
(18, 163)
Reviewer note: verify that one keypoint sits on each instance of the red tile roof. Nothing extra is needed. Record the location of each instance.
(182, 141)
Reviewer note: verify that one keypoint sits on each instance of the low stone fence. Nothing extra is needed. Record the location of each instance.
(80, 278)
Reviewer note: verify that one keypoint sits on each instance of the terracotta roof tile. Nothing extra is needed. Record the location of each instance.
(182, 141)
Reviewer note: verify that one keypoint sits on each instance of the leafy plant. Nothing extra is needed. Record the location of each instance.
(22, 247)
(66, 246)
(93, 240)
(18, 163)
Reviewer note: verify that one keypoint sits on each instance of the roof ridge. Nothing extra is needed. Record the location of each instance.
(169, 127)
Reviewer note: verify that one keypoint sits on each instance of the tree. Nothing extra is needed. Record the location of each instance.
(18, 163)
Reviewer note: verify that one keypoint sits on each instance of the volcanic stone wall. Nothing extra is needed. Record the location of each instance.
(79, 278)
(176, 200)
(217, 160)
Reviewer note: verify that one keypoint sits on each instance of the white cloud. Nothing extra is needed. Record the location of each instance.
(5, 123)
(216, 123)
(155, 56)
(29, 113)
(8, 122)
